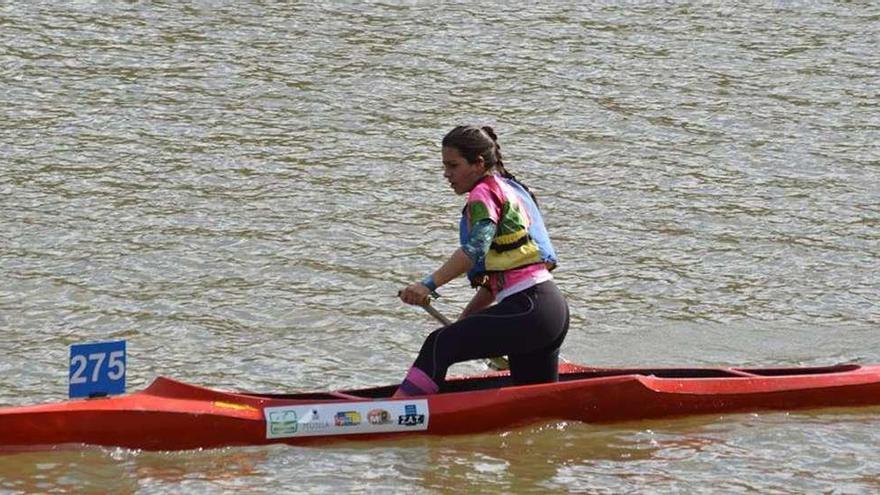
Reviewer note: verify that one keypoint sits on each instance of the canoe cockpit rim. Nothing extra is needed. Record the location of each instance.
(169, 387)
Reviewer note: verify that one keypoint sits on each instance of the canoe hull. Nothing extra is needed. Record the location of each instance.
(171, 415)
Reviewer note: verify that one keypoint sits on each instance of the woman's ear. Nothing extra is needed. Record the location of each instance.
(480, 162)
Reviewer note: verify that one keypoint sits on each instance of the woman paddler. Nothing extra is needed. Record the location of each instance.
(507, 255)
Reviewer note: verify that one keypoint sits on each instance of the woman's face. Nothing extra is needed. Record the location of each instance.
(462, 176)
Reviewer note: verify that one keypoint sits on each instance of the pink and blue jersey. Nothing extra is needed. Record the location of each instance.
(520, 252)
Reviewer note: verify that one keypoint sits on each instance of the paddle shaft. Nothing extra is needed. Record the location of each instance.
(437, 315)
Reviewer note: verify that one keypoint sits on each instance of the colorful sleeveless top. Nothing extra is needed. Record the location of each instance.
(521, 252)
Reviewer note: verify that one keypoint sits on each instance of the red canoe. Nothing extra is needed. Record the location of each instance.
(170, 415)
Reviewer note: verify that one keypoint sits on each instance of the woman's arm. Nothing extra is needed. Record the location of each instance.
(482, 299)
(456, 265)
(463, 259)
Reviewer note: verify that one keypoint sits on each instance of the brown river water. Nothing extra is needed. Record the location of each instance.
(239, 189)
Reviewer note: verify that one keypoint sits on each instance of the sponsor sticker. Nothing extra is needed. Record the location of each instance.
(411, 416)
(281, 423)
(314, 423)
(346, 418)
(379, 417)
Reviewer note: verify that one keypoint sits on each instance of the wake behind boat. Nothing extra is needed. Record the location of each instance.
(171, 415)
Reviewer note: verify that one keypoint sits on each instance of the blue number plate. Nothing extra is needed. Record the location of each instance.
(97, 370)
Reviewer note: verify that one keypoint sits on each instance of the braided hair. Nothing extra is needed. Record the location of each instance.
(473, 142)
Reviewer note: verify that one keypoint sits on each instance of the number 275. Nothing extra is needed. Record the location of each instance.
(115, 366)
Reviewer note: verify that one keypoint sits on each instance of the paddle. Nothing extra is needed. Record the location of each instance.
(498, 363)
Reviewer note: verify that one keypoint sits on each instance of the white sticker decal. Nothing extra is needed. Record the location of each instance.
(345, 418)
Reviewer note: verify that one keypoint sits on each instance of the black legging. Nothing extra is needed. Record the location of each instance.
(528, 326)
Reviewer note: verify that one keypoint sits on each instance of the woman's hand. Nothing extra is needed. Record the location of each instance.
(419, 294)
(416, 294)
